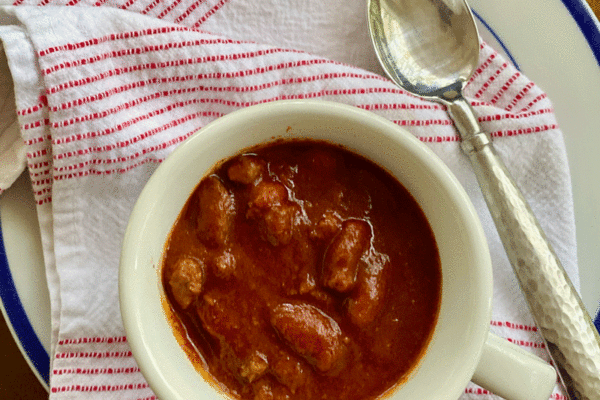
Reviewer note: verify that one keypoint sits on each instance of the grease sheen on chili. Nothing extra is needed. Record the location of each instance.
(300, 270)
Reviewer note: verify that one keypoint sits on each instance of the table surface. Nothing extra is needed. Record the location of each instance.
(17, 381)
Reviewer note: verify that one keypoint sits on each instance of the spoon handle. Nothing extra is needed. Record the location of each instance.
(570, 335)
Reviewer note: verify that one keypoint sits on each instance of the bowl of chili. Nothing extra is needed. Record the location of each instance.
(240, 278)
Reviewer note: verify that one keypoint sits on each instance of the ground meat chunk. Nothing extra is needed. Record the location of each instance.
(254, 367)
(367, 298)
(224, 265)
(216, 212)
(246, 169)
(265, 390)
(187, 280)
(275, 214)
(327, 226)
(278, 223)
(289, 371)
(311, 334)
(343, 254)
(268, 194)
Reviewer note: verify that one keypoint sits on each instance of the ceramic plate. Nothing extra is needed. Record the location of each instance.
(555, 43)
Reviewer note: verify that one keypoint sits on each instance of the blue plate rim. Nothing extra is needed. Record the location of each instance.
(19, 321)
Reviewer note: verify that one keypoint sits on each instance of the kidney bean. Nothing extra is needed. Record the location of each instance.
(343, 254)
(216, 212)
(367, 299)
(312, 334)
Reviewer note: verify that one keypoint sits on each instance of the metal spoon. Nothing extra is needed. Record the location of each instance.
(431, 48)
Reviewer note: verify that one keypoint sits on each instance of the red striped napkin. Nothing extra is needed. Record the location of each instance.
(103, 95)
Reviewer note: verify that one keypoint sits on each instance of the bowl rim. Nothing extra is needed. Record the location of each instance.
(138, 221)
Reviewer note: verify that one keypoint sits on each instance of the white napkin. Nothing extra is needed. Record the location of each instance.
(104, 95)
(12, 149)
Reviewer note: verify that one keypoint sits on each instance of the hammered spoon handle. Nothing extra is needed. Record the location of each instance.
(569, 333)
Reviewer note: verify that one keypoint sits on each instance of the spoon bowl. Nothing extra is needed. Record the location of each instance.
(431, 48)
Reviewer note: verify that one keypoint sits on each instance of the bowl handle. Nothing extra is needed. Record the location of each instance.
(513, 373)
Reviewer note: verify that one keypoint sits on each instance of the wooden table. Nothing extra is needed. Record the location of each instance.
(17, 381)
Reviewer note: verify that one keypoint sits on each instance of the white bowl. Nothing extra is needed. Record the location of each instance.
(463, 323)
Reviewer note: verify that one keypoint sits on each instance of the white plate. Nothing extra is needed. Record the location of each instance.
(555, 43)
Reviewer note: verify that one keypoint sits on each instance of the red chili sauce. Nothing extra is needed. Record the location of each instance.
(300, 270)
